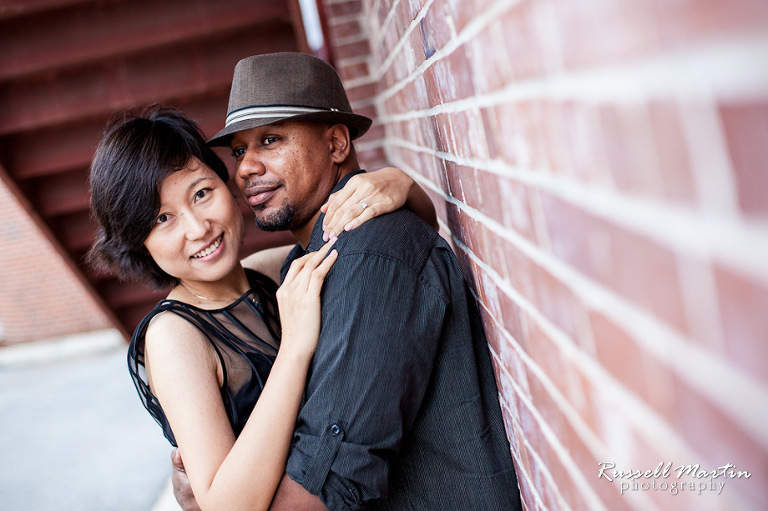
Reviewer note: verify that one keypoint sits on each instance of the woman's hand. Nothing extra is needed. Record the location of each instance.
(365, 196)
(298, 300)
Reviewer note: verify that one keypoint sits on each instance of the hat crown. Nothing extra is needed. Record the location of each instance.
(276, 87)
(261, 80)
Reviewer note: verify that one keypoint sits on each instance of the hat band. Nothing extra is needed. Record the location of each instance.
(271, 112)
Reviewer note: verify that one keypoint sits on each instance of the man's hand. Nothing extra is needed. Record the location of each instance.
(181, 488)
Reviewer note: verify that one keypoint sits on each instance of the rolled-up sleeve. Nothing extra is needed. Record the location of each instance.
(381, 328)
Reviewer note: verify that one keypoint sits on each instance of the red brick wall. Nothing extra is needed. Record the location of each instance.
(40, 296)
(602, 168)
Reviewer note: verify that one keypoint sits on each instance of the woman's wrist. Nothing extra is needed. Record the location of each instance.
(297, 347)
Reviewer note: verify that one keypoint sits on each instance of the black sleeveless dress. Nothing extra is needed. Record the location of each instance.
(245, 336)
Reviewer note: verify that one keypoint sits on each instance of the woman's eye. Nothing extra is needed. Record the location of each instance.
(201, 194)
(162, 218)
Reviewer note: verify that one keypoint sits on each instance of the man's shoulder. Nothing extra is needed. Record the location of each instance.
(400, 231)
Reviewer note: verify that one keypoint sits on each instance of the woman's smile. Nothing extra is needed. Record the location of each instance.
(210, 250)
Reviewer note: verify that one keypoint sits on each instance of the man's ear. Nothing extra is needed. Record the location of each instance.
(340, 143)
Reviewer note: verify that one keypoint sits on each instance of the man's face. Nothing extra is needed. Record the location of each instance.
(284, 171)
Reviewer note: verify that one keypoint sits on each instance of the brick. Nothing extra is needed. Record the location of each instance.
(557, 302)
(603, 31)
(683, 24)
(520, 30)
(445, 141)
(636, 267)
(547, 355)
(488, 294)
(432, 76)
(461, 12)
(338, 9)
(659, 379)
(516, 209)
(361, 92)
(470, 234)
(630, 150)
(354, 71)
(458, 83)
(619, 354)
(672, 153)
(472, 143)
(403, 18)
(352, 49)
(507, 136)
(453, 172)
(573, 492)
(348, 28)
(743, 302)
(581, 142)
(520, 272)
(491, 253)
(435, 28)
(491, 67)
(534, 124)
(507, 352)
(699, 420)
(746, 131)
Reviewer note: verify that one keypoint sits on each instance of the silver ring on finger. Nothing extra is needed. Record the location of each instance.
(363, 205)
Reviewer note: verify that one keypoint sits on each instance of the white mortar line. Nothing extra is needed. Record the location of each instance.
(702, 234)
(357, 82)
(472, 28)
(382, 28)
(736, 67)
(633, 410)
(680, 354)
(350, 39)
(547, 432)
(340, 20)
(404, 40)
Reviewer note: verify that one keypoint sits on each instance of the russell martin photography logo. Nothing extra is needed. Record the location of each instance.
(673, 480)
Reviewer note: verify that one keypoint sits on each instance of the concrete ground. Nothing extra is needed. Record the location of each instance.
(73, 433)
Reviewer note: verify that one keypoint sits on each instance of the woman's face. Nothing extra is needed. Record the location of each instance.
(197, 233)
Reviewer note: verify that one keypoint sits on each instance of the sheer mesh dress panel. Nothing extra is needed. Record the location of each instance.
(245, 336)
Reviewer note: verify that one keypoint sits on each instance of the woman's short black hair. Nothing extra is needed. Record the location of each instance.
(134, 156)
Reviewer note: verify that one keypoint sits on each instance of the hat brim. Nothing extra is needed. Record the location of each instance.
(357, 124)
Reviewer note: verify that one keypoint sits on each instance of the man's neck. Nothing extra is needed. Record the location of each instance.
(303, 233)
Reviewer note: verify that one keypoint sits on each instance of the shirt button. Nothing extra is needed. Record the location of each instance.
(335, 430)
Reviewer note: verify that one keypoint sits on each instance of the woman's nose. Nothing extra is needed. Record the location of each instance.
(195, 227)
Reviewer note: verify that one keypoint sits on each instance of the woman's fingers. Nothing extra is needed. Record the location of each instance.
(320, 272)
(355, 211)
(336, 201)
(364, 197)
(301, 269)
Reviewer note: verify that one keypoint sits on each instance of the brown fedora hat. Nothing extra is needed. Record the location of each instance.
(276, 87)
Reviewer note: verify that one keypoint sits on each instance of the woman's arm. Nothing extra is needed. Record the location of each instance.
(381, 191)
(227, 472)
(268, 261)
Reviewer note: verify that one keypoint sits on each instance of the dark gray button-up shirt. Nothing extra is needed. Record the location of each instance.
(401, 408)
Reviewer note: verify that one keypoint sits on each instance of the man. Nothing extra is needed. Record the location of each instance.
(401, 408)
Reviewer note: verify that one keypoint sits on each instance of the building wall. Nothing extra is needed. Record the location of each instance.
(601, 170)
(40, 295)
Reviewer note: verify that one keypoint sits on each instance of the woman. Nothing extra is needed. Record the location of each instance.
(206, 361)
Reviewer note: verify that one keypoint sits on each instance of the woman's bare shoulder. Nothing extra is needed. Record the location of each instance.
(171, 334)
(268, 261)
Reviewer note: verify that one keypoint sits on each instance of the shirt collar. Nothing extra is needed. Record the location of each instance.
(316, 238)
